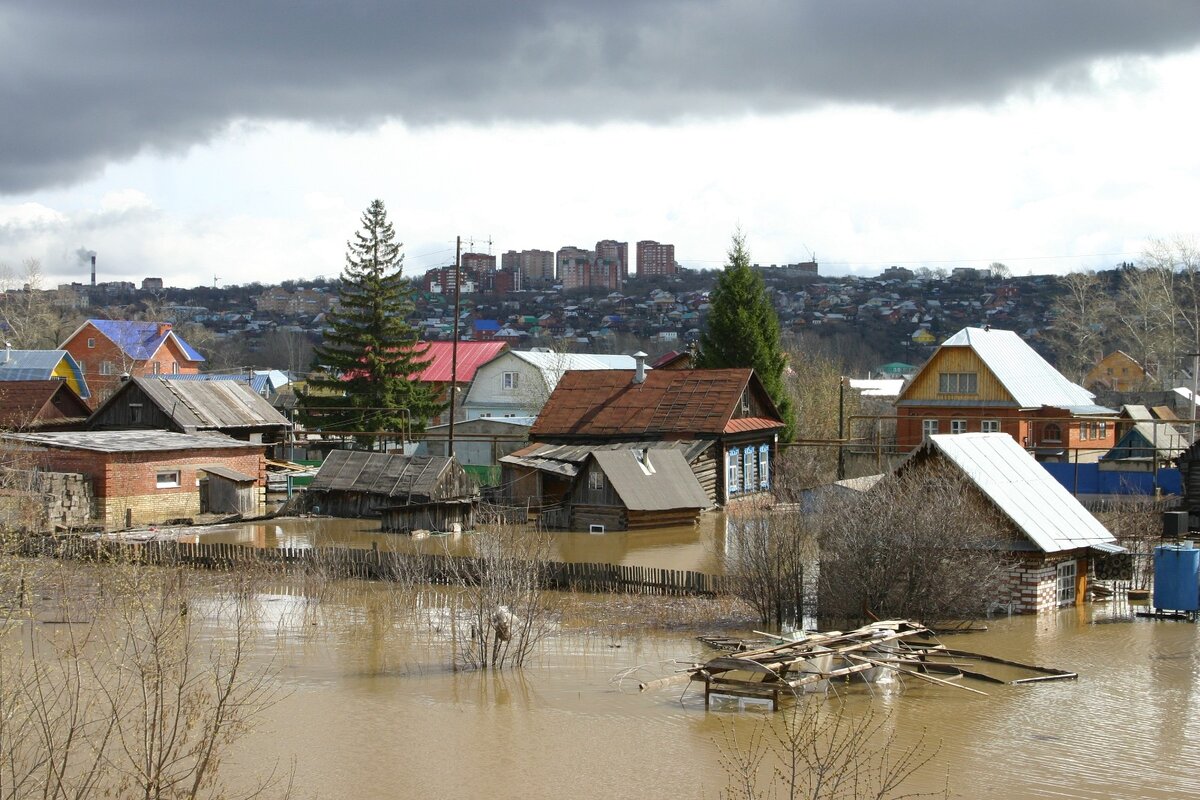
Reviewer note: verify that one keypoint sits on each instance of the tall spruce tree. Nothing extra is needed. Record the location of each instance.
(742, 330)
(362, 369)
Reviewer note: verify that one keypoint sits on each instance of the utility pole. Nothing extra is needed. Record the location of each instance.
(454, 344)
(841, 462)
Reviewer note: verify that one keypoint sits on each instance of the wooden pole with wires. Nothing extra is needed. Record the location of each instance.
(454, 345)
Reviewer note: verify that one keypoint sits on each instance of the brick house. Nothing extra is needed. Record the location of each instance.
(1049, 538)
(105, 349)
(987, 380)
(152, 477)
(41, 405)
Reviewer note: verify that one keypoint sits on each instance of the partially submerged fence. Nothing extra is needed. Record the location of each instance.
(375, 564)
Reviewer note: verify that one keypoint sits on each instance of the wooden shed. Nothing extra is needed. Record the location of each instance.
(226, 491)
(353, 483)
(632, 488)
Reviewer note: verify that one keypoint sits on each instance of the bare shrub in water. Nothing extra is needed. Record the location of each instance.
(504, 610)
(922, 544)
(818, 751)
(765, 561)
(124, 697)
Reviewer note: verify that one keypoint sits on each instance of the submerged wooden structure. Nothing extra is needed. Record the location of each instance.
(365, 484)
(789, 668)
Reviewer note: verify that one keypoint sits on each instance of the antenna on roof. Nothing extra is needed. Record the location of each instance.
(215, 279)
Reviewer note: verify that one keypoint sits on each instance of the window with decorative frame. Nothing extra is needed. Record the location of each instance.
(764, 466)
(749, 479)
(733, 472)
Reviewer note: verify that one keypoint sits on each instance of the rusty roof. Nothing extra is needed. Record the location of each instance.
(668, 403)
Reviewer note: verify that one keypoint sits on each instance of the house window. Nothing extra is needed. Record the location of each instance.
(958, 426)
(929, 427)
(746, 403)
(483, 414)
(91, 342)
(107, 368)
(508, 380)
(596, 480)
(991, 426)
(749, 479)
(1052, 433)
(157, 368)
(957, 383)
(764, 466)
(174, 367)
(167, 479)
(1103, 430)
(135, 412)
(82, 366)
(1066, 583)
(733, 472)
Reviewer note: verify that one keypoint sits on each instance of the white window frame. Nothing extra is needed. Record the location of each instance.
(1066, 572)
(958, 383)
(990, 426)
(749, 478)
(929, 427)
(958, 426)
(167, 479)
(107, 368)
(733, 472)
(91, 342)
(509, 380)
(596, 480)
(764, 466)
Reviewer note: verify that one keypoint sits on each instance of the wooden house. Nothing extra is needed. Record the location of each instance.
(354, 483)
(106, 349)
(987, 380)
(45, 405)
(229, 408)
(1119, 372)
(1049, 537)
(615, 485)
(727, 410)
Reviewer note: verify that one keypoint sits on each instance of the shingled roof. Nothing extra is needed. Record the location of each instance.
(667, 404)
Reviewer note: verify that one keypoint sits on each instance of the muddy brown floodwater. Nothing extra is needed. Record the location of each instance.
(375, 712)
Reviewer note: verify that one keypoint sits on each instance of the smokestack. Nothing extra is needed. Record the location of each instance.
(93, 269)
(639, 375)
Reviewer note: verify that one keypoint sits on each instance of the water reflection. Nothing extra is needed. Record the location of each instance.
(698, 547)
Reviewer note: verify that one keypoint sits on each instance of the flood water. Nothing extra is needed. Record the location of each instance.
(691, 547)
(374, 710)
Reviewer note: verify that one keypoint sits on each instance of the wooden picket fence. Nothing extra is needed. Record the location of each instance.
(374, 564)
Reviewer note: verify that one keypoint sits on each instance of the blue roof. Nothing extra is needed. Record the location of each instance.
(259, 382)
(140, 340)
(487, 325)
(39, 365)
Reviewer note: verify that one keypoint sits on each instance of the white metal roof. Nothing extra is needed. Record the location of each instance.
(553, 365)
(1023, 490)
(877, 387)
(1028, 377)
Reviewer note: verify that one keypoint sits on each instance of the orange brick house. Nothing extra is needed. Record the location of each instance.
(105, 349)
(991, 381)
(152, 477)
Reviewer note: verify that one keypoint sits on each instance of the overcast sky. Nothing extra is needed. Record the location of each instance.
(233, 141)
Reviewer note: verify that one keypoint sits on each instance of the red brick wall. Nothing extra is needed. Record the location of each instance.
(131, 478)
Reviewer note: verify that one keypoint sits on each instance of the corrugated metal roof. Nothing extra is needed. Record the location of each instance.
(257, 382)
(386, 474)
(877, 387)
(1028, 377)
(1023, 490)
(207, 405)
(131, 441)
(658, 481)
(140, 340)
(471, 356)
(1145, 439)
(554, 365)
(39, 365)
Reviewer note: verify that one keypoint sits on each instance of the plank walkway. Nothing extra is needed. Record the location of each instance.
(374, 564)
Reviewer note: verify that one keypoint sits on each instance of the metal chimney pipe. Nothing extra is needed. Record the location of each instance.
(93, 269)
(639, 375)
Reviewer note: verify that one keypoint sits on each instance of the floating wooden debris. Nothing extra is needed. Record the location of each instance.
(786, 668)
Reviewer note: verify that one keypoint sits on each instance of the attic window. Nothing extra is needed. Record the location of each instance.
(596, 480)
(508, 380)
(746, 403)
(135, 412)
(958, 383)
(91, 342)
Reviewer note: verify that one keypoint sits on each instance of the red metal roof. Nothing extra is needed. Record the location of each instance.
(471, 355)
(745, 424)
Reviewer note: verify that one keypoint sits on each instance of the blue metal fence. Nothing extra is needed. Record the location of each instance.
(1090, 479)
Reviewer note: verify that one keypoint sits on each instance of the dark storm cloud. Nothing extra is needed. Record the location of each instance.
(83, 83)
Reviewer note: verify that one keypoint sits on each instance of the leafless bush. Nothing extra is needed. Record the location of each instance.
(124, 696)
(1137, 525)
(767, 554)
(922, 545)
(821, 752)
(504, 611)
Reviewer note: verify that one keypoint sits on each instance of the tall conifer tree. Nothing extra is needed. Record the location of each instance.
(363, 367)
(742, 330)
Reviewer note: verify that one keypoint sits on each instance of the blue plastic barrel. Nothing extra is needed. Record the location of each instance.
(1177, 577)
